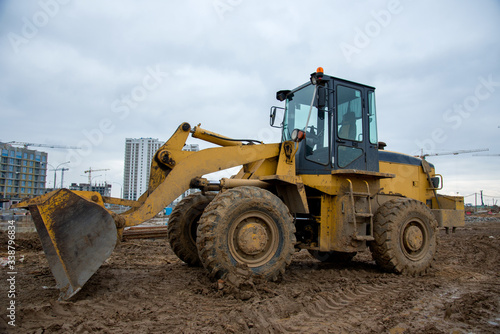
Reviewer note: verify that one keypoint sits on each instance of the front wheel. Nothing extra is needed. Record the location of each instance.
(246, 225)
(405, 233)
(183, 224)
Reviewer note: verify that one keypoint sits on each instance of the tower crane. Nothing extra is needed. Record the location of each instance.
(90, 170)
(487, 155)
(422, 155)
(62, 176)
(26, 145)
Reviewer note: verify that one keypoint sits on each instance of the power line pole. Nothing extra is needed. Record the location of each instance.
(56, 169)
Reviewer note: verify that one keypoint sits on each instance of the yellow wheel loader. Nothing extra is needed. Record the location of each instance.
(329, 187)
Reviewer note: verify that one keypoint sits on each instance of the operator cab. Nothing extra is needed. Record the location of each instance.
(336, 120)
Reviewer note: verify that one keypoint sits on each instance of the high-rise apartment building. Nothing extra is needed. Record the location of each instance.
(23, 172)
(138, 156)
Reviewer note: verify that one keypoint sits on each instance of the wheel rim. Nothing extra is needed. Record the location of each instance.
(414, 239)
(253, 238)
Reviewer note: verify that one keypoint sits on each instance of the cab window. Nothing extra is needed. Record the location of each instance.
(349, 114)
(372, 118)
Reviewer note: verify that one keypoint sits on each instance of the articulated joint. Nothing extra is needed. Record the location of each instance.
(186, 127)
(119, 220)
(166, 158)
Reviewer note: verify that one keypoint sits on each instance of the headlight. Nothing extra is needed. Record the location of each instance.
(298, 135)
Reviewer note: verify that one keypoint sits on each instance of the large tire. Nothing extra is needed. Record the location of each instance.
(333, 256)
(405, 233)
(246, 225)
(183, 225)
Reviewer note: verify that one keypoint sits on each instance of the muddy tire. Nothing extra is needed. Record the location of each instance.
(332, 257)
(246, 225)
(183, 226)
(405, 233)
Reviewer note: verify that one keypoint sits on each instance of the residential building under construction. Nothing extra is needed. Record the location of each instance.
(23, 172)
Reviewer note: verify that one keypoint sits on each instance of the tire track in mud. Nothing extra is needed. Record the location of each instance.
(468, 252)
(483, 252)
(487, 249)
(341, 309)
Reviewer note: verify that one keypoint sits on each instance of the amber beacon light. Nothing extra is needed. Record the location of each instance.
(317, 76)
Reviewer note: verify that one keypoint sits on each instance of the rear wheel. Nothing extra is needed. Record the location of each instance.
(183, 224)
(405, 232)
(332, 257)
(246, 225)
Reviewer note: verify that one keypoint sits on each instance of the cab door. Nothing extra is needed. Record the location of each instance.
(352, 143)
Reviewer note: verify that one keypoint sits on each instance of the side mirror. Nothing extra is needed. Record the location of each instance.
(321, 97)
(272, 115)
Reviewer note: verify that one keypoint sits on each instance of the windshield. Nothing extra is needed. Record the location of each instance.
(299, 115)
(297, 109)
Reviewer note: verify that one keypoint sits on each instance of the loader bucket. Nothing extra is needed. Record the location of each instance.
(77, 236)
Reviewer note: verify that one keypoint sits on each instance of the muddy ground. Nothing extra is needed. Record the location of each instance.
(144, 288)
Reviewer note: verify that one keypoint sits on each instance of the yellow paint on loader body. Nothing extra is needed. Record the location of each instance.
(409, 181)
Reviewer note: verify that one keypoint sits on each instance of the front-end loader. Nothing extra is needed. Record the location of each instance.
(329, 187)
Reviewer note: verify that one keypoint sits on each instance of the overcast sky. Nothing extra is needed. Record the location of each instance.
(92, 73)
